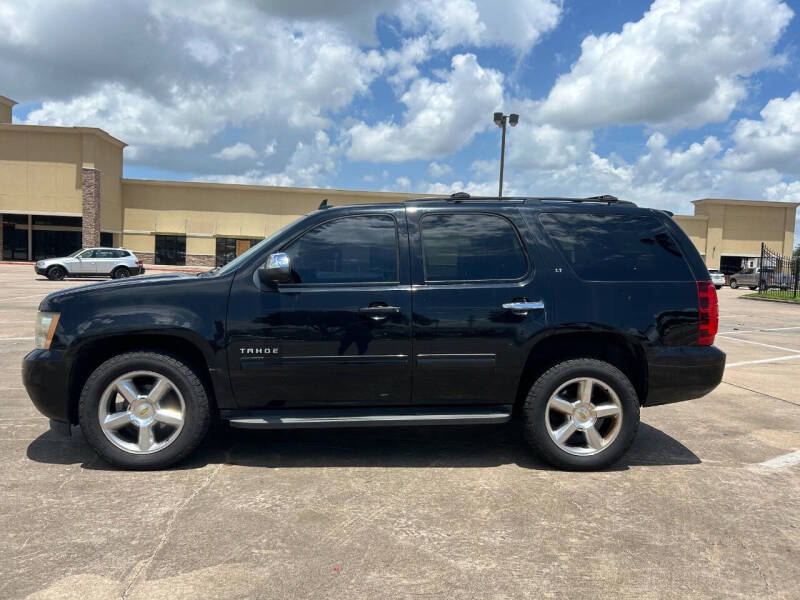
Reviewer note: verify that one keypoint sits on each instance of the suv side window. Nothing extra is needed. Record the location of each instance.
(121, 253)
(104, 254)
(88, 254)
(617, 247)
(357, 249)
(471, 247)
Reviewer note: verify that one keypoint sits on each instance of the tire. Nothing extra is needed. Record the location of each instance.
(734, 284)
(617, 432)
(168, 442)
(752, 287)
(56, 273)
(718, 287)
(120, 273)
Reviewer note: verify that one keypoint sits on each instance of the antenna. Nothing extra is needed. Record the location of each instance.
(323, 205)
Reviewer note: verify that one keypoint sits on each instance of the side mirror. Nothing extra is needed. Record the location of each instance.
(278, 269)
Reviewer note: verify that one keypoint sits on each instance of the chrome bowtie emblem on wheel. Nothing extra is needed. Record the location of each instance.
(583, 416)
(141, 412)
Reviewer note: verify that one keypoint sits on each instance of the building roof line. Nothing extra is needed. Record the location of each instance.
(7, 101)
(744, 202)
(267, 188)
(104, 135)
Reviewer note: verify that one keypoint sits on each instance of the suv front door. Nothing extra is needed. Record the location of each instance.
(468, 348)
(83, 263)
(339, 333)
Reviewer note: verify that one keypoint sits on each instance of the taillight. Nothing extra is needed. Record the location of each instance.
(139, 263)
(709, 313)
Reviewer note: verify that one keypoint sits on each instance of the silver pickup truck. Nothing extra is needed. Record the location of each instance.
(764, 278)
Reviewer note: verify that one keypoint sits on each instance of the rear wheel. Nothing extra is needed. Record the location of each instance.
(121, 273)
(581, 415)
(144, 410)
(734, 284)
(718, 287)
(56, 273)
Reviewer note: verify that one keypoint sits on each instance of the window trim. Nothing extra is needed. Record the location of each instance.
(425, 280)
(341, 284)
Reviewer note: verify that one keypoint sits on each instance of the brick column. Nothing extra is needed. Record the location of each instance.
(90, 184)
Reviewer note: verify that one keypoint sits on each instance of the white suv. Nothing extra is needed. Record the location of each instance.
(92, 262)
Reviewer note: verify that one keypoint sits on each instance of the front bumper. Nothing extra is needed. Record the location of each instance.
(45, 375)
(40, 270)
(683, 373)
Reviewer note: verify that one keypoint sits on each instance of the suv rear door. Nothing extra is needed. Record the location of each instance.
(340, 333)
(104, 260)
(468, 262)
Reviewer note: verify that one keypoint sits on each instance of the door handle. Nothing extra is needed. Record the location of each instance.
(379, 313)
(522, 307)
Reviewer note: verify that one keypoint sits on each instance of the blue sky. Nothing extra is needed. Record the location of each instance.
(658, 102)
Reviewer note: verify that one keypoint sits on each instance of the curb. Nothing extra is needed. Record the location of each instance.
(749, 297)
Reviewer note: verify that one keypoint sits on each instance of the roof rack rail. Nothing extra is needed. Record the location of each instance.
(604, 198)
(460, 196)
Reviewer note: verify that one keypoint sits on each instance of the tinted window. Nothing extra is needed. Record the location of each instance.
(105, 254)
(121, 253)
(471, 247)
(170, 249)
(358, 249)
(617, 247)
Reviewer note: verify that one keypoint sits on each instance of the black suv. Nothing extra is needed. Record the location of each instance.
(568, 313)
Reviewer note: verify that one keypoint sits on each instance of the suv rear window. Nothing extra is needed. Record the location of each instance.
(471, 247)
(617, 247)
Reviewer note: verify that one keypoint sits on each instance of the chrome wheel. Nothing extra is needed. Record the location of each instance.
(141, 412)
(583, 416)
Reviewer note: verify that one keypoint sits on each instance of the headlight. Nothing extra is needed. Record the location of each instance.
(46, 323)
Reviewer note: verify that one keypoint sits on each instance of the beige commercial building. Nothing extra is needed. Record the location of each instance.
(62, 188)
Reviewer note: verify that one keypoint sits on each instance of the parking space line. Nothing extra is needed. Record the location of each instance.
(762, 344)
(780, 462)
(21, 297)
(19, 339)
(762, 361)
(735, 331)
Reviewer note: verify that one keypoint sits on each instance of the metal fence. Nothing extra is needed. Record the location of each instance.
(779, 275)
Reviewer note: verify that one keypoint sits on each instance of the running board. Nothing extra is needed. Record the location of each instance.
(367, 417)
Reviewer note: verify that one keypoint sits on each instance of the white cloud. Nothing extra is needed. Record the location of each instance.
(534, 146)
(404, 183)
(770, 143)
(437, 170)
(219, 66)
(310, 164)
(269, 149)
(683, 64)
(515, 23)
(235, 152)
(441, 117)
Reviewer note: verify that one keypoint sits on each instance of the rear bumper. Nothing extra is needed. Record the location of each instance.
(45, 375)
(137, 270)
(683, 373)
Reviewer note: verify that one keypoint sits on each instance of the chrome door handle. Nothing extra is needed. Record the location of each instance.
(522, 308)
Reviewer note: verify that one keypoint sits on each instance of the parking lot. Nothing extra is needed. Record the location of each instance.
(704, 505)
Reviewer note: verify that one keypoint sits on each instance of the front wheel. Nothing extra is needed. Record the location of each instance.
(56, 273)
(734, 284)
(581, 415)
(144, 410)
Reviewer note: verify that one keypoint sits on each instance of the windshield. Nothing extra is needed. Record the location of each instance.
(234, 264)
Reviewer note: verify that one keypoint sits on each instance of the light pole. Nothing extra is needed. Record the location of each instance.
(500, 120)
